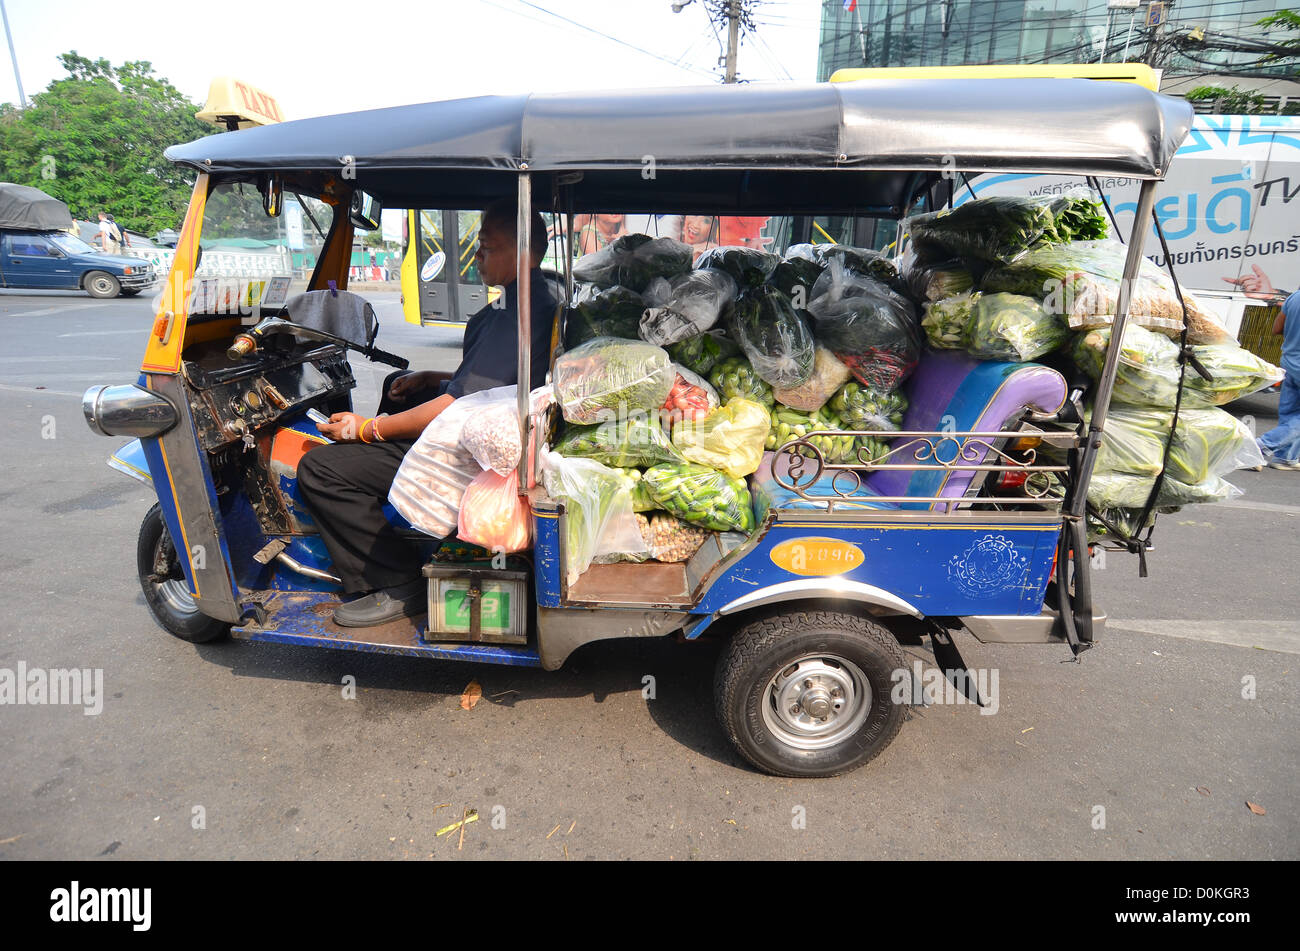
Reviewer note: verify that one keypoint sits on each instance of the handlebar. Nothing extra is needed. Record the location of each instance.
(246, 343)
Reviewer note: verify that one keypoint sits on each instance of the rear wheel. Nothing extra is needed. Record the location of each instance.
(808, 694)
(101, 284)
(165, 590)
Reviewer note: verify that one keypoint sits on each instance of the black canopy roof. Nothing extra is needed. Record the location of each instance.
(726, 149)
(27, 208)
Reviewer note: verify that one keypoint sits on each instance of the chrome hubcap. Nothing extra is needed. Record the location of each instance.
(816, 701)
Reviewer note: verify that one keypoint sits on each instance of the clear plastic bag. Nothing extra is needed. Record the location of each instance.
(611, 312)
(702, 353)
(870, 328)
(1149, 369)
(1013, 327)
(635, 440)
(435, 472)
(938, 281)
(947, 322)
(734, 378)
(633, 261)
(1005, 227)
(491, 435)
(691, 397)
(829, 374)
(834, 444)
(775, 338)
(607, 377)
(598, 516)
(686, 306)
(670, 539)
(494, 515)
(748, 267)
(1080, 281)
(702, 496)
(860, 407)
(730, 438)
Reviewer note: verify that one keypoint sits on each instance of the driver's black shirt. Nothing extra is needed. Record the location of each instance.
(489, 356)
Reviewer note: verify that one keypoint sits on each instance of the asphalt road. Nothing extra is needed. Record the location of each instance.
(252, 751)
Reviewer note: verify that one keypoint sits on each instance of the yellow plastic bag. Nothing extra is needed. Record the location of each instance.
(729, 438)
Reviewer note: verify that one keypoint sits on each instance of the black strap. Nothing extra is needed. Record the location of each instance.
(1114, 225)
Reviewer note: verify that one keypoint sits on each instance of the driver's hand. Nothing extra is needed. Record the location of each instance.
(343, 427)
(410, 383)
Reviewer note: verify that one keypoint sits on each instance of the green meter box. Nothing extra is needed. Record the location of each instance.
(480, 606)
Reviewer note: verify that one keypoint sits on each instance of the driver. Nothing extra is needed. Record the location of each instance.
(346, 484)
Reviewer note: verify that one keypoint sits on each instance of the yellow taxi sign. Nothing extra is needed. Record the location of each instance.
(235, 104)
(817, 557)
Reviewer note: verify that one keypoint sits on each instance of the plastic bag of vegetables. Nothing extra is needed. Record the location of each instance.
(607, 376)
(701, 353)
(690, 398)
(701, 496)
(670, 539)
(734, 377)
(1207, 444)
(1005, 227)
(776, 339)
(860, 407)
(598, 516)
(1013, 327)
(635, 440)
(947, 322)
(829, 374)
(797, 273)
(870, 328)
(613, 312)
(633, 261)
(731, 438)
(834, 445)
(937, 281)
(1080, 281)
(686, 306)
(1148, 369)
(641, 501)
(748, 267)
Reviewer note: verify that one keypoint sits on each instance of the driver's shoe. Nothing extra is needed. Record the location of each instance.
(387, 604)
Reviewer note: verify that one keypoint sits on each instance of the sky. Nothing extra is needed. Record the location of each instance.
(323, 56)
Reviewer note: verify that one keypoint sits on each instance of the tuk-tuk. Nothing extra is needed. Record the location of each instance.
(846, 558)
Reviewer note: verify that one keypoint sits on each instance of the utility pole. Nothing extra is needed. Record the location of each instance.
(733, 38)
(22, 98)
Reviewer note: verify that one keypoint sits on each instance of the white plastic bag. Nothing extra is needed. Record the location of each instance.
(434, 473)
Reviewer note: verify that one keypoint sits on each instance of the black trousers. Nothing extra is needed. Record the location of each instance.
(346, 485)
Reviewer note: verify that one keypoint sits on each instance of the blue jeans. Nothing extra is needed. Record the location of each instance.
(1284, 439)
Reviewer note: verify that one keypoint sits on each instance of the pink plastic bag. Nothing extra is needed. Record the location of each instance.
(494, 515)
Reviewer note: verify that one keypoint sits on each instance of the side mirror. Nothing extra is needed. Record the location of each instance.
(364, 212)
(273, 196)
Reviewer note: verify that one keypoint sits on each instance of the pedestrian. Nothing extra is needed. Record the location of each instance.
(110, 235)
(1281, 444)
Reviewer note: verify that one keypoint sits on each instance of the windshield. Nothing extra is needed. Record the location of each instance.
(70, 244)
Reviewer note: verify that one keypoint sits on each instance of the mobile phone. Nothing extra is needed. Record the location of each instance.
(316, 416)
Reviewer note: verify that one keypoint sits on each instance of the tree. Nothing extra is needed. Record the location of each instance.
(95, 141)
(1229, 101)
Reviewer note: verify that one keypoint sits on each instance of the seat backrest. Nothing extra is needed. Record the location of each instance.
(952, 392)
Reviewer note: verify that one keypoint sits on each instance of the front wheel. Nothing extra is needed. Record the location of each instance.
(165, 591)
(101, 284)
(808, 693)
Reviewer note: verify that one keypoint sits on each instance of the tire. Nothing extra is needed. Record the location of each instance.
(101, 284)
(168, 595)
(777, 672)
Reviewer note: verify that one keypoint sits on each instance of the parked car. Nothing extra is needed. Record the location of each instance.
(56, 260)
(38, 249)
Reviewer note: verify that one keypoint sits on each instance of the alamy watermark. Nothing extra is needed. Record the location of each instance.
(56, 686)
(931, 687)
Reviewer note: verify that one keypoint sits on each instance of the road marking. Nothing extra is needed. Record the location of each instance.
(51, 310)
(63, 359)
(1262, 506)
(1283, 636)
(32, 391)
(102, 333)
